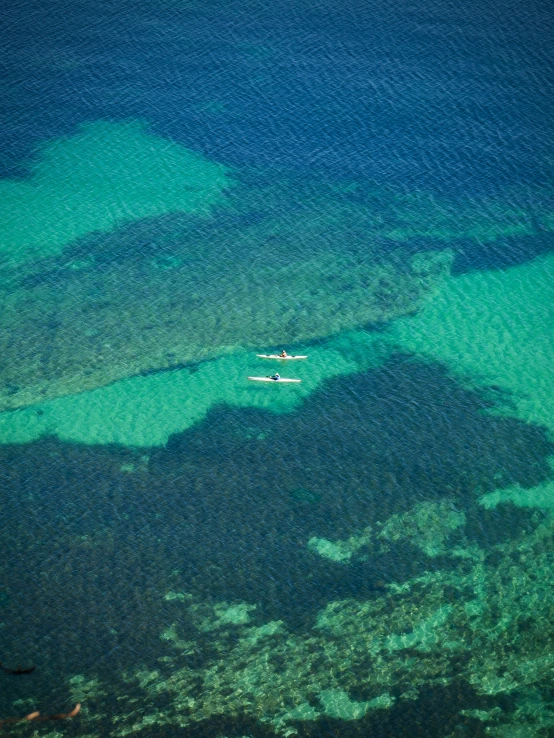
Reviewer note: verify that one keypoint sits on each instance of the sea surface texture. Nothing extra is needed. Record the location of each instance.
(366, 553)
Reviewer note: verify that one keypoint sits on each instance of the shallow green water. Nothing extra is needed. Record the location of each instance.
(105, 175)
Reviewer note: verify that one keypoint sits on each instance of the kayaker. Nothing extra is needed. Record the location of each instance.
(276, 377)
(283, 354)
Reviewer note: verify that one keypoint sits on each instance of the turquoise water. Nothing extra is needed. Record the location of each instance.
(367, 552)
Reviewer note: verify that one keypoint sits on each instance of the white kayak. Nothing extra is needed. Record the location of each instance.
(275, 381)
(276, 356)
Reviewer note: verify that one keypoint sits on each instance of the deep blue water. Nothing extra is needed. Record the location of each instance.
(448, 97)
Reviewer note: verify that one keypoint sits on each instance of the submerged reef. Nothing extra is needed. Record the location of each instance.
(428, 525)
(479, 625)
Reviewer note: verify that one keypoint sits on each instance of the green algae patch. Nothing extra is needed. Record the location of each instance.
(305, 711)
(177, 596)
(423, 636)
(83, 688)
(105, 175)
(88, 692)
(427, 526)
(541, 496)
(253, 635)
(221, 616)
(339, 551)
(337, 704)
(170, 635)
(233, 614)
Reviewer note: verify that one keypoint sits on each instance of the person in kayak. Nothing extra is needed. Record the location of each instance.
(283, 354)
(275, 377)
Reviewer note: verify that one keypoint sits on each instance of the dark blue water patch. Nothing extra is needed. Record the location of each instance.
(501, 253)
(420, 97)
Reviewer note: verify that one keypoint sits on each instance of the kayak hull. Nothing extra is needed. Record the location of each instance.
(281, 358)
(283, 380)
